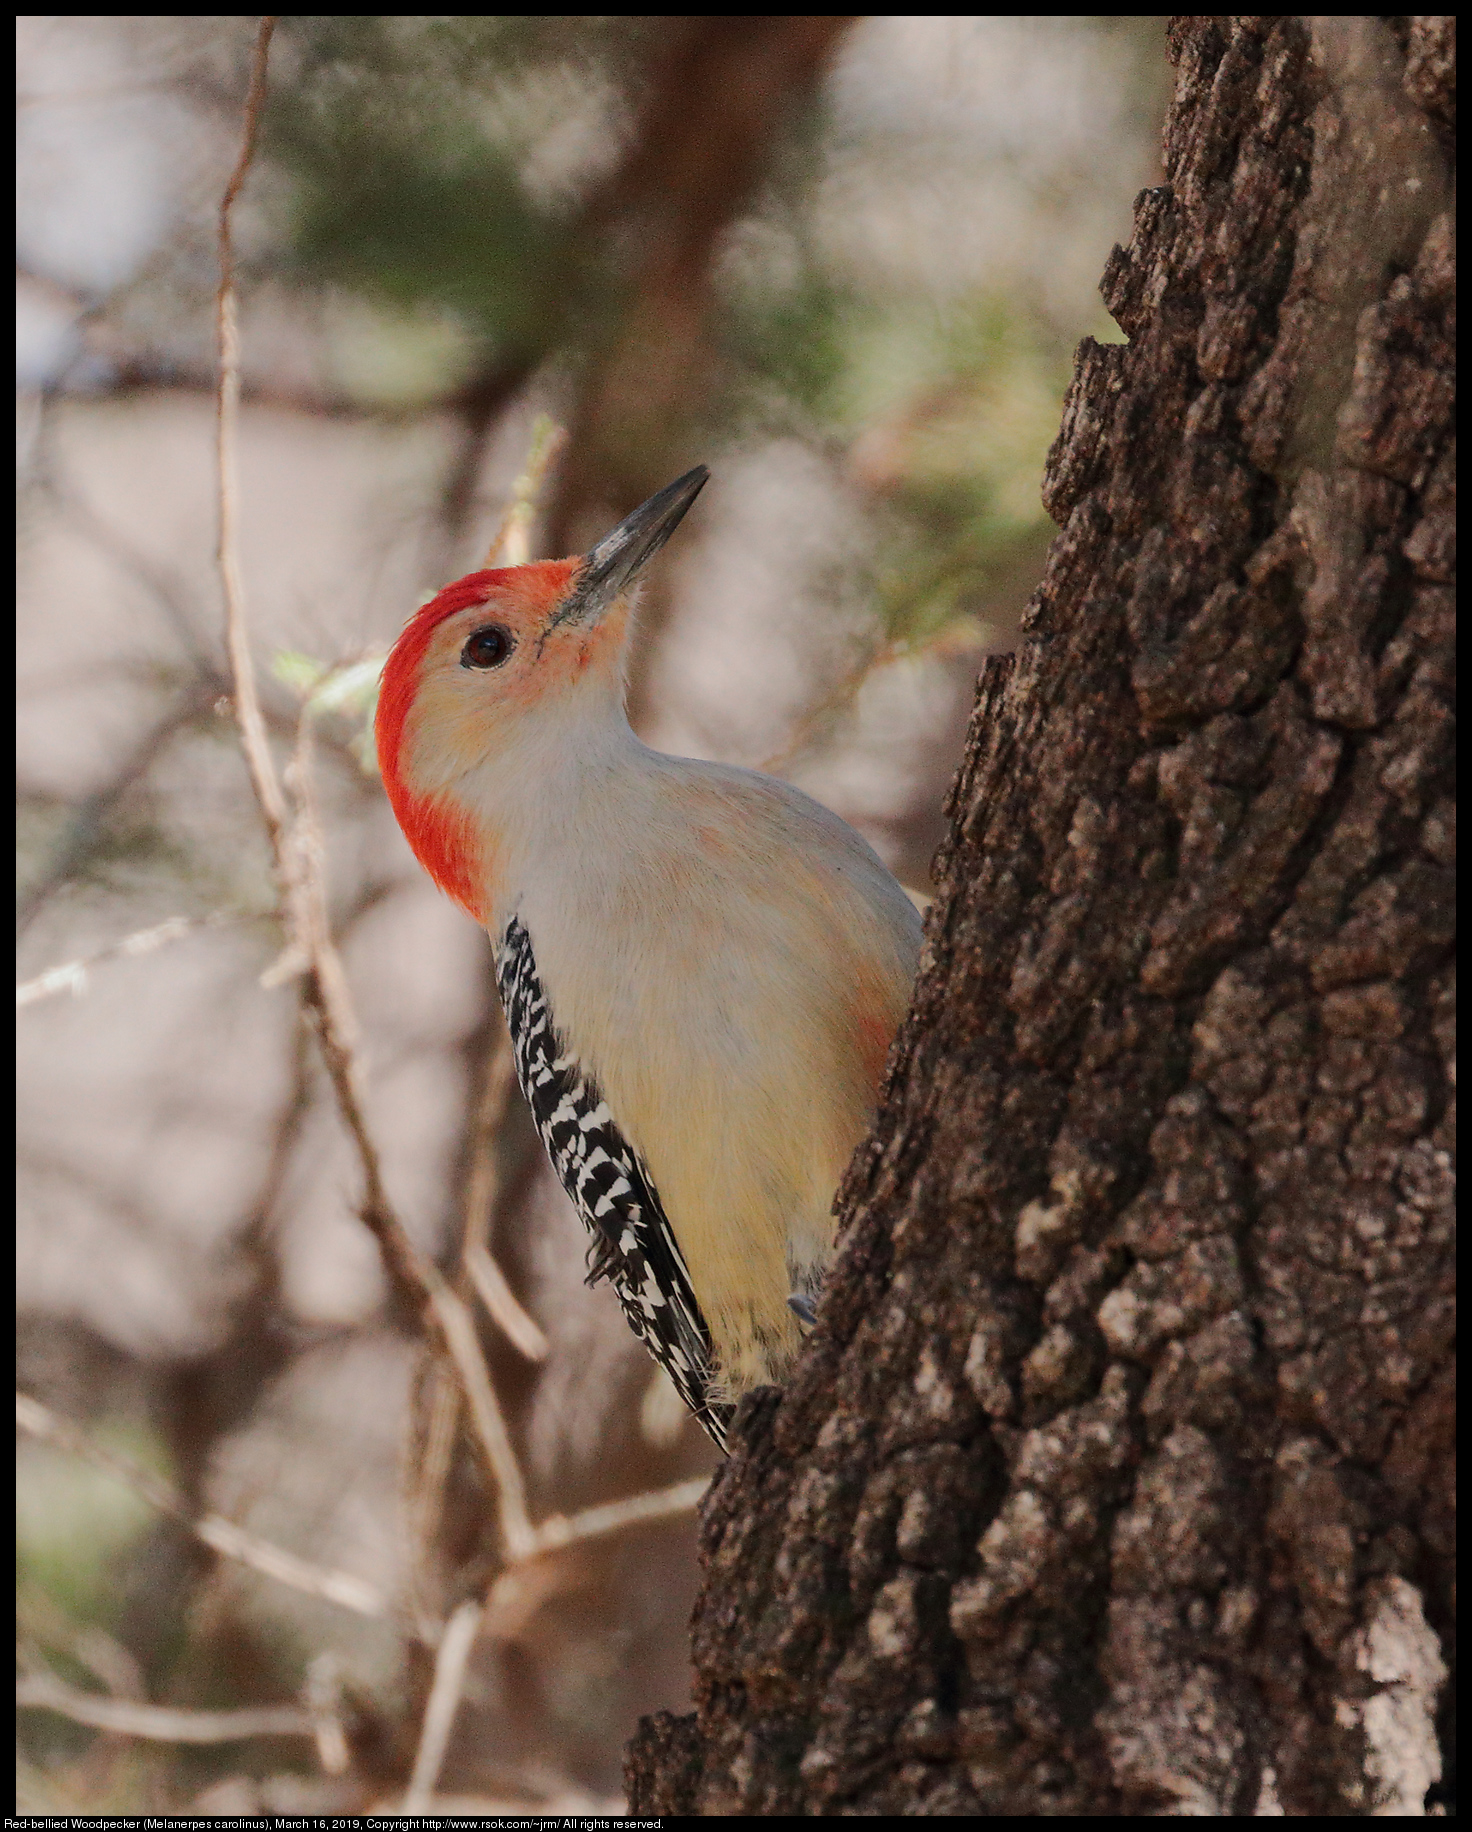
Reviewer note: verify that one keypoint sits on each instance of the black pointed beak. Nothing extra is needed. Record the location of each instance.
(618, 559)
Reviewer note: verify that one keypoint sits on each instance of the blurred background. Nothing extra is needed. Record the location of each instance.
(845, 263)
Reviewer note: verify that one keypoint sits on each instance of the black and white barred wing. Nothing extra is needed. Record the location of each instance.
(634, 1247)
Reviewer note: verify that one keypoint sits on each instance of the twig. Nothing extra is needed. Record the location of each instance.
(438, 1406)
(512, 543)
(71, 976)
(458, 1334)
(327, 997)
(521, 1589)
(326, 993)
(160, 1723)
(322, 1696)
(515, 1596)
(41, 1621)
(839, 696)
(81, 835)
(340, 1587)
(296, 847)
(221, 1535)
(952, 638)
(444, 1701)
(167, 592)
(500, 1300)
(227, 330)
(610, 1516)
(481, 1188)
(483, 1178)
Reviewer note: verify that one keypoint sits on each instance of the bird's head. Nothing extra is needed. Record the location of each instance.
(498, 673)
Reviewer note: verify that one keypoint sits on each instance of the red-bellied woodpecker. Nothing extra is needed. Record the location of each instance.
(702, 968)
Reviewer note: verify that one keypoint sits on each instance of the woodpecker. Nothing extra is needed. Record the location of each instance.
(702, 968)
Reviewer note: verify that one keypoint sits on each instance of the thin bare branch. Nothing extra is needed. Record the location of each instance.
(521, 1590)
(482, 1185)
(482, 1188)
(79, 841)
(450, 1662)
(613, 1516)
(227, 331)
(41, 1621)
(322, 1697)
(71, 976)
(512, 543)
(160, 1723)
(500, 1300)
(417, 1278)
(514, 1598)
(827, 707)
(483, 1177)
(221, 1535)
(457, 1331)
(297, 848)
(435, 1429)
(340, 1587)
(168, 592)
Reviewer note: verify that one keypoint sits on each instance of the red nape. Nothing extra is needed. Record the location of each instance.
(441, 838)
(446, 844)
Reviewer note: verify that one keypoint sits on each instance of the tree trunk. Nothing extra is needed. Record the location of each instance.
(1116, 1478)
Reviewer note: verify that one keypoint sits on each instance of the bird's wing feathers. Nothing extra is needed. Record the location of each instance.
(634, 1246)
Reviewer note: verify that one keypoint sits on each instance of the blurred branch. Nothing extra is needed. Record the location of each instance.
(718, 96)
(519, 1592)
(500, 1300)
(322, 1696)
(511, 545)
(960, 636)
(227, 330)
(416, 1277)
(516, 1595)
(514, 1598)
(39, 1620)
(82, 830)
(709, 128)
(166, 591)
(482, 1186)
(437, 1416)
(340, 1587)
(478, 406)
(71, 976)
(296, 847)
(612, 1516)
(450, 1662)
(221, 1535)
(160, 1723)
(839, 697)
(145, 375)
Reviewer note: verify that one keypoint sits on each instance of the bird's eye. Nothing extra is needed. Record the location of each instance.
(487, 648)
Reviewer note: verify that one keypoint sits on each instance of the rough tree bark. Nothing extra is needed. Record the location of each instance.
(1117, 1476)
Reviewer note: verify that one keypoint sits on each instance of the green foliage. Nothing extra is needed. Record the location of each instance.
(957, 417)
(403, 140)
(75, 1525)
(412, 147)
(945, 419)
(349, 690)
